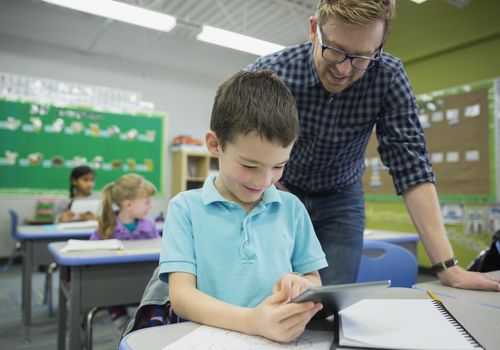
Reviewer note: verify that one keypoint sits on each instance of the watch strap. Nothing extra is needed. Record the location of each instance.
(444, 265)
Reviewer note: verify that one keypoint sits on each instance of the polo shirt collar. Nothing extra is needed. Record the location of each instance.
(209, 194)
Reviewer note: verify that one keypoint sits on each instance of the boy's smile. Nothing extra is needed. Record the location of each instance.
(248, 166)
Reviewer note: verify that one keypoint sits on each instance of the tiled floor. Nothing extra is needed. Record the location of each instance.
(44, 328)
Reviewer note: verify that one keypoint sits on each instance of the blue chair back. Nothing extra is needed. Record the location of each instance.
(13, 224)
(387, 261)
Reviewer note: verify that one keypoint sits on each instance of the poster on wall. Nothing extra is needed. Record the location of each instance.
(494, 218)
(452, 213)
(475, 220)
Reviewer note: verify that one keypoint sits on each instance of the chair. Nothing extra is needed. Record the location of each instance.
(13, 235)
(387, 261)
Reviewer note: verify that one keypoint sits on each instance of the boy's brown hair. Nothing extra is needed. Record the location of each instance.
(256, 101)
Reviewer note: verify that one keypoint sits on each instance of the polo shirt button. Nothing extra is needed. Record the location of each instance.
(246, 243)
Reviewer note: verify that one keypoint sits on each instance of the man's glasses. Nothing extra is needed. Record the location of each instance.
(335, 55)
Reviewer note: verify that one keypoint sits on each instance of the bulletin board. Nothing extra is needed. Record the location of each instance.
(459, 126)
(41, 143)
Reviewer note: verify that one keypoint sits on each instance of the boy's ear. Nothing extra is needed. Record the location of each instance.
(212, 142)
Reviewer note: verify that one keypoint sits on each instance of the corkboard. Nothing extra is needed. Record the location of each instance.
(457, 125)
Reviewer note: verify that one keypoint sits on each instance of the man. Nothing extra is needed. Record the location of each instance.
(344, 85)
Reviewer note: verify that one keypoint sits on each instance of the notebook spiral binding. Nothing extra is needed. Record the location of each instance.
(457, 325)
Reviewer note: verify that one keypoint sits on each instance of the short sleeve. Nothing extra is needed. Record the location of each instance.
(177, 252)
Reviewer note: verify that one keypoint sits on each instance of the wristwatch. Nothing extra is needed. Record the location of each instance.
(444, 265)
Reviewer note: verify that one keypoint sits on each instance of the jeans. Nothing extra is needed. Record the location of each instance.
(338, 218)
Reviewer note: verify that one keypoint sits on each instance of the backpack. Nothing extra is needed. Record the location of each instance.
(489, 258)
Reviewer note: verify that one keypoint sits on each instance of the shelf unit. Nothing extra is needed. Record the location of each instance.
(190, 169)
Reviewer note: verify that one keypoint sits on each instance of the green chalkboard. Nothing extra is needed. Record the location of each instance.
(41, 143)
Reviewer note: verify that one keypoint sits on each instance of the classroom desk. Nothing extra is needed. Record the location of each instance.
(404, 239)
(478, 311)
(34, 240)
(99, 279)
(471, 316)
(489, 299)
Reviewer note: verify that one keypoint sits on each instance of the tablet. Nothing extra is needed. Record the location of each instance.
(337, 297)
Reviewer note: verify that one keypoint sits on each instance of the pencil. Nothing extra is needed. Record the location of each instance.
(433, 296)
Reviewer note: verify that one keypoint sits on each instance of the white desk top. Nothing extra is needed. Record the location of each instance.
(135, 250)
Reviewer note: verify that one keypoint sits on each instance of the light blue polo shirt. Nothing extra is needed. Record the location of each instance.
(237, 257)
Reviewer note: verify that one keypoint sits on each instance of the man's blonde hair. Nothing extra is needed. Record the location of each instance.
(358, 11)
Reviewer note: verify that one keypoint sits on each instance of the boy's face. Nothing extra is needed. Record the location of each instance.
(247, 167)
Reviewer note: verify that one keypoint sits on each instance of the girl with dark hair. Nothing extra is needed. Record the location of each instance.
(81, 185)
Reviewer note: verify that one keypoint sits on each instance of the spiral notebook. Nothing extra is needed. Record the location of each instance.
(417, 324)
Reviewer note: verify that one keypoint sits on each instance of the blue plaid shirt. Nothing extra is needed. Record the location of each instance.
(335, 128)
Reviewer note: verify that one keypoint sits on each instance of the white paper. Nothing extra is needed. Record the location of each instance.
(437, 157)
(77, 225)
(472, 110)
(452, 115)
(424, 121)
(452, 157)
(74, 245)
(399, 324)
(206, 337)
(472, 155)
(437, 117)
(80, 206)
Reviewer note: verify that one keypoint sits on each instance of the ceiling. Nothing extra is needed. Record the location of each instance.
(419, 30)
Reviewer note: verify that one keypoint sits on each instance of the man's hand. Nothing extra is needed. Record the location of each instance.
(459, 278)
(278, 319)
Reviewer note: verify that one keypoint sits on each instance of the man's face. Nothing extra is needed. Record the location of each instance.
(354, 39)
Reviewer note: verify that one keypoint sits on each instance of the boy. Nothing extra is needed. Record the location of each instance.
(238, 250)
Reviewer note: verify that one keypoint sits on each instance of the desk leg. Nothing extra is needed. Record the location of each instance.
(61, 320)
(26, 287)
(75, 308)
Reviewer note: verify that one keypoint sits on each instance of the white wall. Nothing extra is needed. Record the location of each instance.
(186, 95)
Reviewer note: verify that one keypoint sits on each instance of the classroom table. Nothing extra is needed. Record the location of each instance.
(489, 299)
(34, 240)
(100, 279)
(481, 321)
(478, 311)
(405, 239)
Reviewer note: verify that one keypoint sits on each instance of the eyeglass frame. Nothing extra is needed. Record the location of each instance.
(371, 64)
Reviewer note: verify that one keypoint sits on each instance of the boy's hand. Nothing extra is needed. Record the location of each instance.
(278, 319)
(298, 284)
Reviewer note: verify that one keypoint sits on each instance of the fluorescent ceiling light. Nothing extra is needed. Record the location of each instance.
(419, 1)
(121, 12)
(237, 41)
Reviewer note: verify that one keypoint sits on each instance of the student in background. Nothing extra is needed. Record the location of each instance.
(132, 194)
(236, 251)
(81, 185)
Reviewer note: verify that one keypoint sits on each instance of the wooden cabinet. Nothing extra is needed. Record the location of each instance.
(190, 169)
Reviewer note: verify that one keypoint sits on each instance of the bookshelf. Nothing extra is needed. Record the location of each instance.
(190, 169)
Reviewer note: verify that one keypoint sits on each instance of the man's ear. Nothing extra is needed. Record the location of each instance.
(212, 142)
(313, 28)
